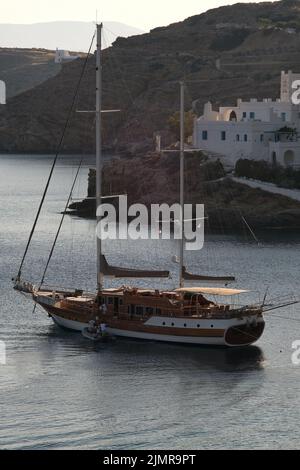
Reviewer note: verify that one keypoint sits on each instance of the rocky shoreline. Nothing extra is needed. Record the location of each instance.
(154, 179)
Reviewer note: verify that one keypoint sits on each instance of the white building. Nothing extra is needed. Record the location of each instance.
(63, 56)
(253, 129)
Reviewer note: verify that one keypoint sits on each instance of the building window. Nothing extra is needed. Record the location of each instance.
(252, 115)
(238, 137)
(204, 135)
(223, 135)
(149, 310)
(110, 301)
(283, 116)
(139, 310)
(244, 114)
(261, 137)
(245, 138)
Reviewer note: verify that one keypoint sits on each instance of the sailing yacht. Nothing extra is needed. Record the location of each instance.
(185, 315)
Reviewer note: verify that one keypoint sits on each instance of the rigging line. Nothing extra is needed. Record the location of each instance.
(60, 224)
(110, 31)
(57, 233)
(56, 157)
(113, 57)
(227, 189)
(112, 60)
(250, 229)
(284, 318)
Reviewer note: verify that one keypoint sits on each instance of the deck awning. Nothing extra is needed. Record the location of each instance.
(211, 291)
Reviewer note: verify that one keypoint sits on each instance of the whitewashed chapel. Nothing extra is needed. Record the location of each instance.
(254, 129)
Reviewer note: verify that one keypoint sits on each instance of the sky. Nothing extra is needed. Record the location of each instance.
(143, 14)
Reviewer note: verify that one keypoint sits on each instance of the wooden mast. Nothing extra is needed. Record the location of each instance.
(98, 149)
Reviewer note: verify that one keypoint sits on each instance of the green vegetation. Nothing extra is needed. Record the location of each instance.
(213, 171)
(174, 124)
(263, 171)
(288, 130)
(200, 168)
(279, 21)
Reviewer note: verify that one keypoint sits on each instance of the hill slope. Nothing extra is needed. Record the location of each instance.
(251, 42)
(23, 69)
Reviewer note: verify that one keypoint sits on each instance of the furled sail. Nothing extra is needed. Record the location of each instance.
(118, 272)
(197, 277)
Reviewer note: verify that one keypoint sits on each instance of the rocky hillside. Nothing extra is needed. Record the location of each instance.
(23, 69)
(154, 179)
(223, 54)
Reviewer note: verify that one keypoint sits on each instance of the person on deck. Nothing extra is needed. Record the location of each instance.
(103, 309)
(92, 326)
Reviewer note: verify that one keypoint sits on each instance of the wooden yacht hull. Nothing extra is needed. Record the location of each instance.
(229, 332)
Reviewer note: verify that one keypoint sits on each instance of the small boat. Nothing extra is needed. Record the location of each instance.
(96, 335)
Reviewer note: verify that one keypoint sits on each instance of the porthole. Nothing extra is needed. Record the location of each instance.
(198, 326)
(172, 324)
(164, 323)
(211, 326)
(184, 325)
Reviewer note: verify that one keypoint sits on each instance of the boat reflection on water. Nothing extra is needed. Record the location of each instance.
(245, 358)
(156, 354)
(189, 381)
(198, 358)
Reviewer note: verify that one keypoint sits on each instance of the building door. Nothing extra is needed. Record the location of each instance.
(289, 158)
(233, 116)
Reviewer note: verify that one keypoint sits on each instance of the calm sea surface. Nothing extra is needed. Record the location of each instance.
(58, 390)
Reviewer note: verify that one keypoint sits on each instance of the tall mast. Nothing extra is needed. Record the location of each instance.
(181, 254)
(98, 148)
